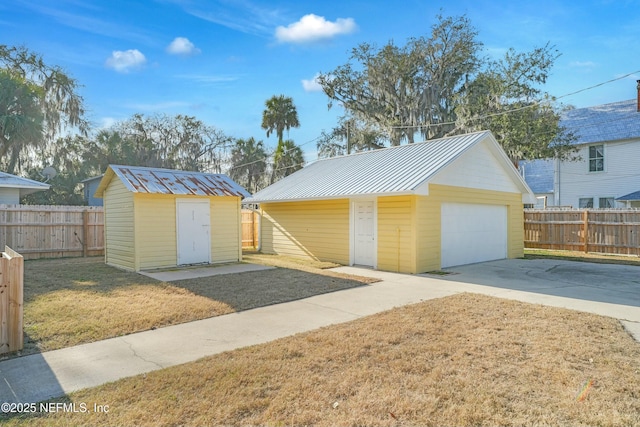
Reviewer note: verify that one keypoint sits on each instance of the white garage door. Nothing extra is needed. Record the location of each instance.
(473, 233)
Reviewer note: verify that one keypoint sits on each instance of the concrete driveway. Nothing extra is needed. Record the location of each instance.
(607, 283)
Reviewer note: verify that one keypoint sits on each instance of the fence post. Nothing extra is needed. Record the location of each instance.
(11, 301)
(585, 219)
(85, 232)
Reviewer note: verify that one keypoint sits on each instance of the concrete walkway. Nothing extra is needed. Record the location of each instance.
(182, 273)
(42, 376)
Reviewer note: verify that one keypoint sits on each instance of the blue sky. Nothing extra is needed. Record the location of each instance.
(221, 60)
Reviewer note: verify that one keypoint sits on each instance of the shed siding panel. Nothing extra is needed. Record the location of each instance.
(428, 225)
(316, 229)
(396, 234)
(119, 226)
(225, 229)
(155, 231)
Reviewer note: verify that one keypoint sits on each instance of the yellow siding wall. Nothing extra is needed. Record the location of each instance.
(156, 230)
(396, 233)
(155, 216)
(316, 229)
(428, 227)
(226, 229)
(118, 226)
(408, 234)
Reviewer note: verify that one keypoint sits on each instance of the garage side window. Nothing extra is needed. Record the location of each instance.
(596, 158)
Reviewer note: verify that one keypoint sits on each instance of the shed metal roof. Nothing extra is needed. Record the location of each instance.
(607, 122)
(395, 170)
(25, 185)
(140, 179)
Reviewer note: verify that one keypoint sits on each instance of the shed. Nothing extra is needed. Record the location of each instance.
(13, 188)
(158, 218)
(411, 209)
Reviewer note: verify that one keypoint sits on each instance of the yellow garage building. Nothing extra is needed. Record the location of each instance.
(411, 209)
(158, 218)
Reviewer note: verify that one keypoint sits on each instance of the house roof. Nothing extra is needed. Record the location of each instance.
(140, 179)
(26, 186)
(630, 197)
(395, 170)
(607, 122)
(93, 178)
(538, 174)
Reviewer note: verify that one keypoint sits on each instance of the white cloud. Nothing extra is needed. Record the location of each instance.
(158, 106)
(312, 85)
(206, 78)
(107, 122)
(313, 27)
(182, 46)
(124, 61)
(583, 64)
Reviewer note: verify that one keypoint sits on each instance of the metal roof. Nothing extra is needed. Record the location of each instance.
(607, 122)
(25, 185)
(538, 174)
(630, 197)
(140, 179)
(394, 170)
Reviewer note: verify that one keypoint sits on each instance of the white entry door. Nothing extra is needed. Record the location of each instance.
(193, 229)
(473, 233)
(364, 233)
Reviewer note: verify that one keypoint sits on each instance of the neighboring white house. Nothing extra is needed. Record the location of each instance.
(607, 174)
(13, 187)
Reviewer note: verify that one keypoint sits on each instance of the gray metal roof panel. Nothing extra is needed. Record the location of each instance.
(607, 122)
(386, 171)
(631, 196)
(166, 181)
(13, 181)
(538, 174)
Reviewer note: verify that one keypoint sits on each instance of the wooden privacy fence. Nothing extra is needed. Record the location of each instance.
(11, 299)
(613, 231)
(52, 231)
(250, 228)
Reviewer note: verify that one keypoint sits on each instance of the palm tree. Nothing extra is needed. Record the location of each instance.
(21, 120)
(287, 159)
(248, 163)
(280, 115)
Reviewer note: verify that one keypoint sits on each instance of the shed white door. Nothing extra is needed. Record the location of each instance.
(193, 229)
(472, 233)
(364, 233)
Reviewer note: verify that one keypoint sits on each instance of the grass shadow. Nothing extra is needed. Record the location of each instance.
(244, 291)
(44, 276)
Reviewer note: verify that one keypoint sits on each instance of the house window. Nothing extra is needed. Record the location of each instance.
(606, 202)
(596, 158)
(586, 203)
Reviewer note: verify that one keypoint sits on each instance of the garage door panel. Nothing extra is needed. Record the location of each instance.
(472, 233)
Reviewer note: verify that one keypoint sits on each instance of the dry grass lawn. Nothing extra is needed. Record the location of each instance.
(78, 300)
(464, 360)
(582, 257)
